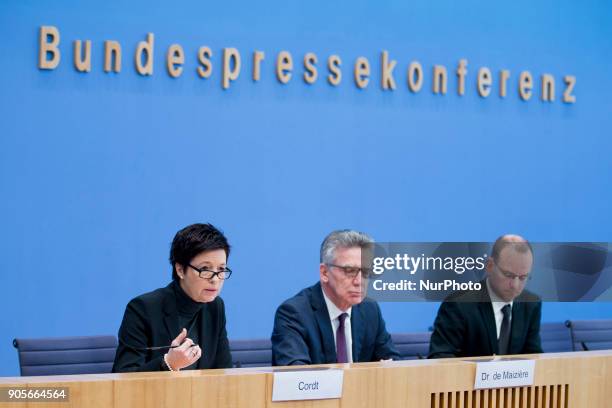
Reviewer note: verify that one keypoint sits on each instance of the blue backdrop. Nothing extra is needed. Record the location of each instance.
(98, 171)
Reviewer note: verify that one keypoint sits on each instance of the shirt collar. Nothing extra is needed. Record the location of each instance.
(333, 310)
(497, 302)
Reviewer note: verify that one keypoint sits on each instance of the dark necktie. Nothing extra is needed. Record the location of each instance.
(341, 340)
(504, 334)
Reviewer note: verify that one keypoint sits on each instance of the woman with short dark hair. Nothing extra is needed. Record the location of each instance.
(181, 326)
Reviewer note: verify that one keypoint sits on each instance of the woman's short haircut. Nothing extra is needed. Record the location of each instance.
(193, 240)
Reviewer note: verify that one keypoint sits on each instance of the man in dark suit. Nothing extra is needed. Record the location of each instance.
(501, 318)
(331, 321)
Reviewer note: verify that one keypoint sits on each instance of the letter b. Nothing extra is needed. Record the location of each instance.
(47, 47)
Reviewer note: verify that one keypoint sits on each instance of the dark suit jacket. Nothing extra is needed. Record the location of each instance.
(303, 331)
(152, 320)
(465, 326)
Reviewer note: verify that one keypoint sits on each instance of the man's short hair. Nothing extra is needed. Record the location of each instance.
(342, 239)
(518, 243)
(193, 240)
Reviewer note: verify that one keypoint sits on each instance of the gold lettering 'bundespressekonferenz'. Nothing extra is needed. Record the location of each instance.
(487, 81)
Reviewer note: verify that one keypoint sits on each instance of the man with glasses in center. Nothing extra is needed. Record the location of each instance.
(332, 321)
(501, 318)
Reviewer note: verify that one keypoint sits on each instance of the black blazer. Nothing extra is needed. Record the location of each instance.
(465, 326)
(303, 332)
(152, 320)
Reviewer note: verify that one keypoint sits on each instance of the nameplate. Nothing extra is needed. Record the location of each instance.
(504, 373)
(307, 385)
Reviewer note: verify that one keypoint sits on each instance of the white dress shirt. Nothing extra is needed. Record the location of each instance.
(334, 313)
(498, 304)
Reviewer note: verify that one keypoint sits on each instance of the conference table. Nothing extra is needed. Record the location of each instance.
(561, 380)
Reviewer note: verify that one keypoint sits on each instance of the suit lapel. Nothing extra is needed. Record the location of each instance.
(325, 328)
(357, 331)
(517, 327)
(170, 315)
(486, 311)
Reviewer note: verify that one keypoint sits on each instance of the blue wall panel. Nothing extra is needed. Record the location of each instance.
(98, 171)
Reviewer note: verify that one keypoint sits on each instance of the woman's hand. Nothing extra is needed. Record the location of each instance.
(185, 355)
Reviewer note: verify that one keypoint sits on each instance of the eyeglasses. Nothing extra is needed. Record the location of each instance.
(206, 273)
(352, 271)
(511, 276)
